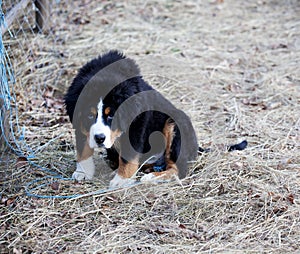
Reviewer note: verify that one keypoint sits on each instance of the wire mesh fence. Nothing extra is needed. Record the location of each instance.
(32, 74)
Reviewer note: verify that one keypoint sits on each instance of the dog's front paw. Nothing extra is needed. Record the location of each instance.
(148, 177)
(118, 182)
(80, 176)
(85, 170)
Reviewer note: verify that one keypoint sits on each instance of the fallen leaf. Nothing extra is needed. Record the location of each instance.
(160, 231)
(10, 201)
(290, 198)
(221, 189)
(280, 210)
(55, 185)
(279, 46)
(274, 197)
(182, 226)
(21, 162)
(233, 88)
(7, 201)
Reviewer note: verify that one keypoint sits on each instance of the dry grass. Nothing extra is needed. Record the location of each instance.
(232, 66)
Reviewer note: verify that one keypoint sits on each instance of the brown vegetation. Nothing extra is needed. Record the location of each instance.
(233, 66)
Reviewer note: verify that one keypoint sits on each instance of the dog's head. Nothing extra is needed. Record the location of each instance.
(97, 92)
(103, 120)
(101, 130)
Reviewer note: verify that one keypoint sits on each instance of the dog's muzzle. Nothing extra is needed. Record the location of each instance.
(99, 138)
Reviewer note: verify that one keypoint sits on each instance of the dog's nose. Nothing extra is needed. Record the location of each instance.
(99, 138)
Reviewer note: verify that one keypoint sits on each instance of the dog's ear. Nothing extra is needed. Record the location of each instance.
(125, 115)
(130, 105)
(76, 119)
(70, 101)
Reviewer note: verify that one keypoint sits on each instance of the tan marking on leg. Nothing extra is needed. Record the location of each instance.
(168, 132)
(128, 169)
(170, 172)
(171, 169)
(86, 152)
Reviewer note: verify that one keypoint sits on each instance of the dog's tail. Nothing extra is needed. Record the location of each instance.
(236, 147)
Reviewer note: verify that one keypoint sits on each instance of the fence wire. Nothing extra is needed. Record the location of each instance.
(32, 82)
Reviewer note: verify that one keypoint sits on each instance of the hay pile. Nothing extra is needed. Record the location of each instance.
(233, 67)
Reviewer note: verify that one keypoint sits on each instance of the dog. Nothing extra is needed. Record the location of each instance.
(111, 106)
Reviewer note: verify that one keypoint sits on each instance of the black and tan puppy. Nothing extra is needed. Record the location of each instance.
(111, 106)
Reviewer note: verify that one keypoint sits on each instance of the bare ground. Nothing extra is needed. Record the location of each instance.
(232, 66)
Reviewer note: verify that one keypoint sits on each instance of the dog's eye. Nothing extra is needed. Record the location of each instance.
(91, 117)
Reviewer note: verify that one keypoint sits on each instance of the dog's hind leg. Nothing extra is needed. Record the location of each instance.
(171, 153)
